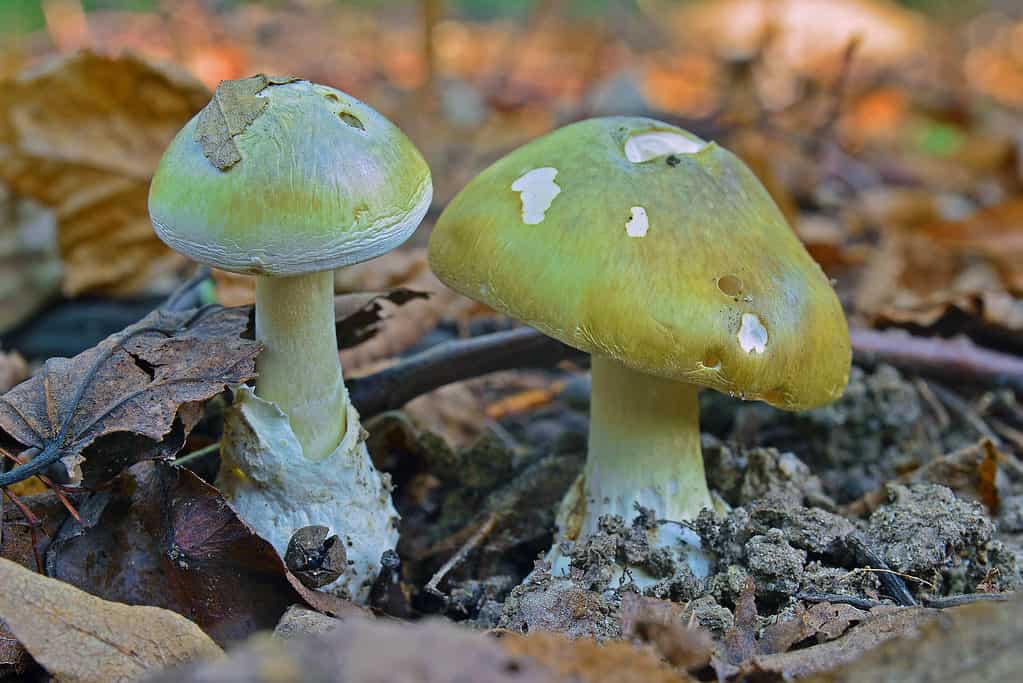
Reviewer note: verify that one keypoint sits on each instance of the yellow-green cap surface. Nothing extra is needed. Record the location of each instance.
(284, 176)
(636, 240)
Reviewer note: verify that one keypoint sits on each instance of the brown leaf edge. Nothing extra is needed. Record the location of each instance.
(56, 448)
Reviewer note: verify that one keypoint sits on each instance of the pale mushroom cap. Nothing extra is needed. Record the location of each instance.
(641, 242)
(319, 180)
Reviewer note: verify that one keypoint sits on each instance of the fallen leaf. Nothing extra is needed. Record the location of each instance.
(741, 639)
(371, 651)
(13, 370)
(822, 621)
(405, 268)
(971, 472)
(978, 642)
(134, 383)
(359, 317)
(30, 268)
(587, 661)
(161, 536)
(659, 623)
(883, 624)
(81, 638)
(82, 135)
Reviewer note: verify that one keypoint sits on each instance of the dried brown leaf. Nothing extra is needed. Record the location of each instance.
(359, 317)
(978, 642)
(588, 661)
(30, 270)
(659, 623)
(81, 638)
(372, 651)
(82, 135)
(13, 370)
(972, 472)
(882, 625)
(161, 536)
(406, 268)
(135, 382)
(822, 621)
(233, 107)
(741, 639)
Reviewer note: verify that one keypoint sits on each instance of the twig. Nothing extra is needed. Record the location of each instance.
(891, 581)
(453, 362)
(891, 571)
(838, 599)
(196, 454)
(950, 399)
(936, 603)
(478, 537)
(525, 347)
(968, 599)
(956, 358)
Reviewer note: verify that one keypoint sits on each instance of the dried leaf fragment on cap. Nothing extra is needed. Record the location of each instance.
(234, 106)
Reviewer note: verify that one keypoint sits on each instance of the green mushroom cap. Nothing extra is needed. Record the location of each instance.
(279, 176)
(636, 240)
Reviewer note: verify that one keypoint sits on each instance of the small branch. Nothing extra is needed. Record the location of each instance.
(956, 358)
(453, 362)
(838, 599)
(967, 599)
(478, 537)
(525, 347)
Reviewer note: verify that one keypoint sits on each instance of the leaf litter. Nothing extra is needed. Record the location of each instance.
(816, 543)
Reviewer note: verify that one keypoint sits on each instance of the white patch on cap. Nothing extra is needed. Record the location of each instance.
(638, 224)
(537, 189)
(647, 146)
(752, 334)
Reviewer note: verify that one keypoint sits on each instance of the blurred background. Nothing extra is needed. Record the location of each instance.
(890, 135)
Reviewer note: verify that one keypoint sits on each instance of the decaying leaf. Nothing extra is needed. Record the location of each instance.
(359, 317)
(884, 624)
(13, 370)
(30, 269)
(977, 642)
(233, 107)
(822, 621)
(81, 638)
(161, 536)
(741, 639)
(587, 661)
(658, 622)
(972, 472)
(134, 383)
(365, 651)
(82, 135)
(405, 268)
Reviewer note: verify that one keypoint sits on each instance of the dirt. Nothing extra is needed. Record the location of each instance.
(784, 519)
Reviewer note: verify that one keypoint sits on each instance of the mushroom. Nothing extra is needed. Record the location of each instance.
(662, 256)
(287, 180)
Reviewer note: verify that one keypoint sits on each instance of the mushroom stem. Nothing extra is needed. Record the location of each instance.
(299, 368)
(644, 447)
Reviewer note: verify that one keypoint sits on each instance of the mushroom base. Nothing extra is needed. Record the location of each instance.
(276, 491)
(644, 450)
